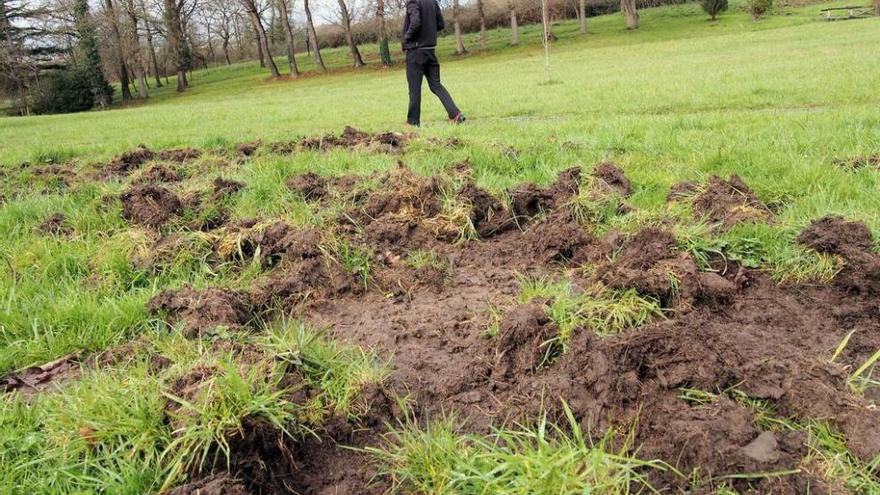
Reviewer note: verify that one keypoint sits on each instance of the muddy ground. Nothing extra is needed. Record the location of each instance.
(728, 330)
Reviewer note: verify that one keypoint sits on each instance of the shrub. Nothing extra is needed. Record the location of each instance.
(65, 92)
(714, 7)
(758, 7)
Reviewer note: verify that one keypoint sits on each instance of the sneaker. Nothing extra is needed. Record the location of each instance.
(458, 119)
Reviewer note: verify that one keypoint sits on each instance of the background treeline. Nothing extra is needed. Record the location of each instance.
(72, 55)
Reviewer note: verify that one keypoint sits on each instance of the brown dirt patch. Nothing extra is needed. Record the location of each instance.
(247, 150)
(201, 311)
(858, 162)
(274, 243)
(611, 179)
(529, 200)
(159, 173)
(225, 187)
(525, 342)
(34, 379)
(725, 203)
(55, 225)
(310, 185)
(130, 160)
(351, 138)
(179, 155)
(220, 484)
(149, 205)
(683, 191)
(852, 241)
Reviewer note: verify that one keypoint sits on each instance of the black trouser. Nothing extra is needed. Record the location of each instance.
(421, 63)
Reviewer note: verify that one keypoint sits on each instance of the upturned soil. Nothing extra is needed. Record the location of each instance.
(728, 332)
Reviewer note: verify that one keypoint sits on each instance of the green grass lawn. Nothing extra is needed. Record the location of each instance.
(774, 101)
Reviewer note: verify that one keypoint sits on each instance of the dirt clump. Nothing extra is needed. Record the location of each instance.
(283, 147)
(61, 176)
(179, 155)
(648, 261)
(35, 378)
(525, 342)
(611, 179)
(247, 150)
(201, 311)
(858, 162)
(225, 187)
(159, 173)
(560, 238)
(852, 241)
(220, 484)
(725, 203)
(683, 191)
(351, 138)
(130, 160)
(55, 225)
(310, 185)
(310, 279)
(529, 200)
(149, 205)
(276, 242)
(488, 214)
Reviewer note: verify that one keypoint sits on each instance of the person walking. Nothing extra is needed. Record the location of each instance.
(420, 26)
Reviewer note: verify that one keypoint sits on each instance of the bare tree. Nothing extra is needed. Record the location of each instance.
(148, 31)
(514, 24)
(382, 35)
(138, 67)
(313, 37)
(254, 11)
(481, 13)
(459, 43)
(582, 15)
(118, 48)
(288, 35)
(628, 7)
(349, 37)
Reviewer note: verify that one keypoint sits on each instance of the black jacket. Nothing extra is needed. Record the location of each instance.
(422, 22)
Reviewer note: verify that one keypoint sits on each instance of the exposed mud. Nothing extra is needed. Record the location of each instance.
(130, 160)
(55, 225)
(858, 162)
(202, 311)
(159, 173)
(728, 335)
(725, 203)
(852, 241)
(179, 155)
(311, 186)
(32, 380)
(149, 205)
(351, 138)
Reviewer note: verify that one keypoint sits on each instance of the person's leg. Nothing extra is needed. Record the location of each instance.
(432, 73)
(414, 72)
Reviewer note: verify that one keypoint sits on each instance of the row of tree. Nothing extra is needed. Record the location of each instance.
(58, 55)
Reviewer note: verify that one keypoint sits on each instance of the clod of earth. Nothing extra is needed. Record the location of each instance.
(725, 203)
(179, 155)
(56, 224)
(525, 342)
(159, 173)
(224, 187)
(130, 160)
(310, 185)
(150, 205)
(611, 179)
(852, 241)
(38, 377)
(351, 138)
(201, 311)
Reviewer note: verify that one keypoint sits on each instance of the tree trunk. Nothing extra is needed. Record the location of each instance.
(211, 54)
(349, 37)
(382, 35)
(119, 50)
(514, 26)
(288, 35)
(459, 43)
(153, 58)
(176, 48)
(262, 39)
(226, 51)
(140, 71)
(481, 12)
(260, 54)
(313, 37)
(582, 15)
(628, 7)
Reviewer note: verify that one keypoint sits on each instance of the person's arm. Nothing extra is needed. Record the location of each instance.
(414, 15)
(440, 24)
